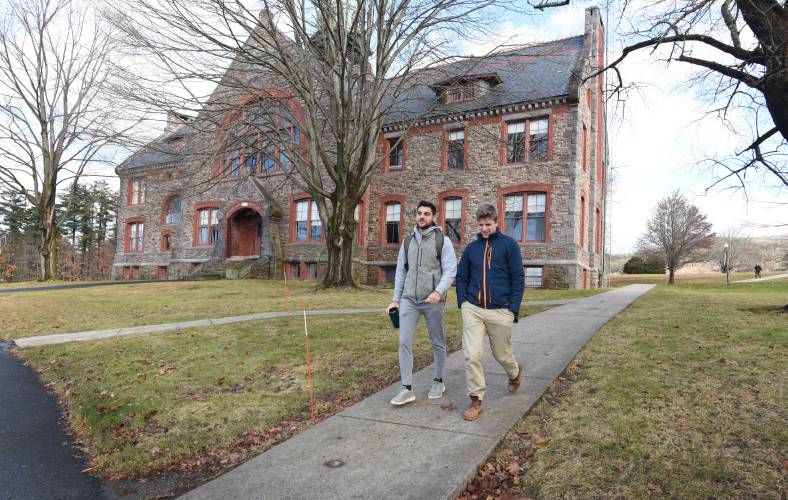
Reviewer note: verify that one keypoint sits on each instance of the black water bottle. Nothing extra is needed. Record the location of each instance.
(394, 315)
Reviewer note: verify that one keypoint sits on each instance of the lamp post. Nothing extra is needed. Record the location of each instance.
(727, 266)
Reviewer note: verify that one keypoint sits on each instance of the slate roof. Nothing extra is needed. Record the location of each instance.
(164, 150)
(528, 73)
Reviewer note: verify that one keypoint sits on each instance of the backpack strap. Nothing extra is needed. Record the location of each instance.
(406, 244)
(438, 248)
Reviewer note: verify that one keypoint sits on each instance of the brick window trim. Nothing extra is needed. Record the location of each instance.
(196, 220)
(127, 235)
(384, 201)
(503, 153)
(294, 199)
(386, 148)
(445, 149)
(165, 234)
(166, 205)
(462, 194)
(525, 189)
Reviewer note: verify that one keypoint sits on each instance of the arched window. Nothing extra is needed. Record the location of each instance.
(173, 211)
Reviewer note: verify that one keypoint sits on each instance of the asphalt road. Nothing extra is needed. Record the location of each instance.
(37, 459)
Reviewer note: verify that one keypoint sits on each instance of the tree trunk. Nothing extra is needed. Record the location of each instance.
(671, 276)
(340, 248)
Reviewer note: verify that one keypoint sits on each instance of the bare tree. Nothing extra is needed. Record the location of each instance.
(346, 64)
(679, 231)
(739, 47)
(55, 118)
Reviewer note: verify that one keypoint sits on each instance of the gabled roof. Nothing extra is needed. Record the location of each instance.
(165, 149)
(529, 73)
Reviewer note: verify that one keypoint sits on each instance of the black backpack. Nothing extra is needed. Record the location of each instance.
(438, 248)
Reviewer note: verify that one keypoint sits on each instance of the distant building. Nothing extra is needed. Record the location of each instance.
(518, 128)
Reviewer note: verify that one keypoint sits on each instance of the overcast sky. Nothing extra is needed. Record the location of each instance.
(657, 142)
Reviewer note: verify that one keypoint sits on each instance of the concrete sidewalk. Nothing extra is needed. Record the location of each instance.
(424, 449)
(758, 280)
(62, 338)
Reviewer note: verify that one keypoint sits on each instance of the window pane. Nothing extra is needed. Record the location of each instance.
(174, 211)
(214, 225)
(533, 277)
(301, 210)
(315, 232)
(538, 140)
(301, 230)
(203, 235)
(235, 164)
(311, 270)
(392, 212)
(250, 162)
(456, 150)
(453, 229)
(536, 216)
(395, 153)
(513, 221)
(389, 274)
(453, 208)
(515, 146)
(392, 232)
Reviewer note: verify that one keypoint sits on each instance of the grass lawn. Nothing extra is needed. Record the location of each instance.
(39, 284)
(682, 395)
(62, 311)
(617, 280)
(213, 397)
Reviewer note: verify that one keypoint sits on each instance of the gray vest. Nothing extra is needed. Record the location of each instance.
(424, 268)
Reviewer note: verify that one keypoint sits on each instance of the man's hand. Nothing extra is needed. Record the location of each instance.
(392, 306)
(434, 298)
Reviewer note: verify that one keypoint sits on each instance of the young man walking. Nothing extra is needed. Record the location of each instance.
(490, 284)
(426, 267)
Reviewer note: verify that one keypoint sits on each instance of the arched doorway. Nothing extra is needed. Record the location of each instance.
(243, 233)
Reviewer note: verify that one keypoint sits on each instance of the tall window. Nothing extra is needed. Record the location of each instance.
(392, 222)
(515, 142)
(456, 149)
(537, 139)
(533, 206)
(536, 217)
(584, 153)
(234, 164)
(513, 219)
(396, 153)
(453, 218)
(173, 211)
(136, 232)
(209, 226)
(307, 221)
(533, 277)
(269, 137)
(137, 191)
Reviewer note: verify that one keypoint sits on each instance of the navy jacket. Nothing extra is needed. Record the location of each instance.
(490, 273)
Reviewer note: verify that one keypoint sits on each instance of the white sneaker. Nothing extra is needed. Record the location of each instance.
(437, 390)
(405, 396)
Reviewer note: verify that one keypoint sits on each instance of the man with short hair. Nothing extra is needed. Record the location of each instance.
(490, 285)
(426, 267)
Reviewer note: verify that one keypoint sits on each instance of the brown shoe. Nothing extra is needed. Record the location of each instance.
(514, 383)
(474, 411)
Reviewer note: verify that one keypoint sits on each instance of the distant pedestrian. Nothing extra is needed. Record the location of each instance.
(490, 286)
(426, 267)
(758, 270)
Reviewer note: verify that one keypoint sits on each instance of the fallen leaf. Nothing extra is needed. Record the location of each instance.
(541, 444)
(448, 407)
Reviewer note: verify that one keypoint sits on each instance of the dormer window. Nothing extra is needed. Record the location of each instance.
(466, 87)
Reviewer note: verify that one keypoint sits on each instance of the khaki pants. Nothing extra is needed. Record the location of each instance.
(495, 323)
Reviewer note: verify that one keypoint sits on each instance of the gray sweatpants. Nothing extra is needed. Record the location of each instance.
(409, 314)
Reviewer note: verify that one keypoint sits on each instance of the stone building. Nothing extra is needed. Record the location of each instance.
(519, 128)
